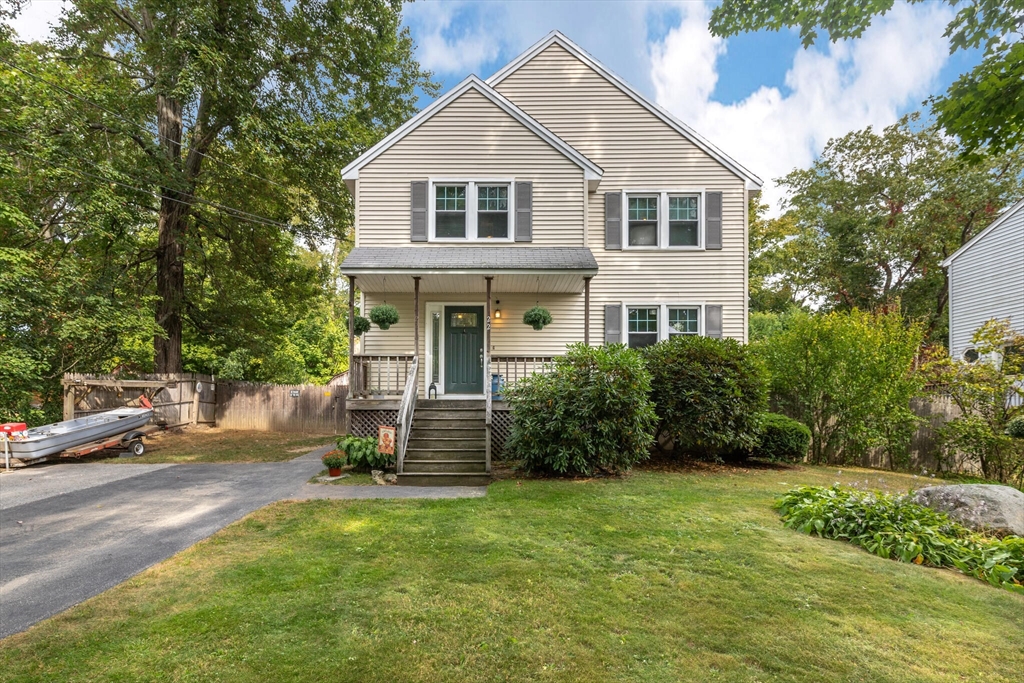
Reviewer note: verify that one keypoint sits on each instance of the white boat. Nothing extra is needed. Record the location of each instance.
(54, 438)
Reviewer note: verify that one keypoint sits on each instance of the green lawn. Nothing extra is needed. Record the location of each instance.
(658, 577)
(224, 445)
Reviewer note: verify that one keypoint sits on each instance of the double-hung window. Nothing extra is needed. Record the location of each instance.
(683, 320)
(471, 210)
(492, 211)
(666, 219)
(643, 221)
(647, 324)
(643, 327)
(450, 211)
(683, 221)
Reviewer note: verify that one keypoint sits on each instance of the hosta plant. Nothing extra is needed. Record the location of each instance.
(894, 527)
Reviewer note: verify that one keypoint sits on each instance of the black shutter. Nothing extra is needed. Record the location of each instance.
(418, 191)
(524, 211)
(613, 220)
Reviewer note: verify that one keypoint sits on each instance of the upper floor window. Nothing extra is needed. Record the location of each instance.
(450, 210)
(492, 211)
(643, 221)
(663, 220)
(471, 210)
(683, 221)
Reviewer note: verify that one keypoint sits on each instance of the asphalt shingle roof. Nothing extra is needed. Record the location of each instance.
(504, 258)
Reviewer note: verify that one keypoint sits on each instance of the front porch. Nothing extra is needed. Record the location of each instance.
(459, 340)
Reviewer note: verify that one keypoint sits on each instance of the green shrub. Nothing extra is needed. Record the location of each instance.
(707, 393)
(1015, 427)
(848, 376)
(592, 412)
(361, 452)
(782, 439)
(894, 527)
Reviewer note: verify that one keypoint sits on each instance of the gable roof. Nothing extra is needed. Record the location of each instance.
(556, 37)
(1003, 217)
(591, 171)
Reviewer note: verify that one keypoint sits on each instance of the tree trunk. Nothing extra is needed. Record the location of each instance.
(170, 284)
(170, 255)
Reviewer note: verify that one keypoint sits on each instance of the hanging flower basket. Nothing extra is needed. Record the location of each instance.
(537, 317)
(360, 326)
(384, 315)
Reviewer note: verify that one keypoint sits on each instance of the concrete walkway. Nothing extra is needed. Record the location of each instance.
(71, 531)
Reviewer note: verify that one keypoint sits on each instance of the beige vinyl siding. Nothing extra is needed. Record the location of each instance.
(637, 150)
(470, 138)
(509, 336)
(987, 281)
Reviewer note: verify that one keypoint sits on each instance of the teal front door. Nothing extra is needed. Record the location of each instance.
(463, 349)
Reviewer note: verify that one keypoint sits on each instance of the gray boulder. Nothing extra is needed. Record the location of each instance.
(984, 507)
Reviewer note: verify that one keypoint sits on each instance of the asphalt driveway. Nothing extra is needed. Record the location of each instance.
(71, 531)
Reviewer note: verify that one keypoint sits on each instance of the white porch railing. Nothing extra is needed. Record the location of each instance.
(514, 368)
(406, 410)
(379, 375)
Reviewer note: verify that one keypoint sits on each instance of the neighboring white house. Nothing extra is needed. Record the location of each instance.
(986, 279)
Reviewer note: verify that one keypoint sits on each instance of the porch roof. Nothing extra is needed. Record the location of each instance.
(462, 268)
(453, 260)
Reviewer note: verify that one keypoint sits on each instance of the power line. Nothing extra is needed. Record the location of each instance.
(231, 211)
(142, 127)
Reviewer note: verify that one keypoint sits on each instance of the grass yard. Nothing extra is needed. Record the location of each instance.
(224, 445)
(661, 576)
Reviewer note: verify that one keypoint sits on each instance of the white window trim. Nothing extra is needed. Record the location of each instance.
(663, 221)
(662, 306)
(471, 209)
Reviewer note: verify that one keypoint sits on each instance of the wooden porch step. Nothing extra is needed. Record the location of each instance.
(449, 413)
(419, 422)
(442, 443)
(447, 433)
(456, 466)
(445, 454)
(450, 404)
(443, 479)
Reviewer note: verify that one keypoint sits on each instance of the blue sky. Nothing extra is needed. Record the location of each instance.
(761, 98)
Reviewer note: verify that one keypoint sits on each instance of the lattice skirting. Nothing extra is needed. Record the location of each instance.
(365, 422)
(501, 429)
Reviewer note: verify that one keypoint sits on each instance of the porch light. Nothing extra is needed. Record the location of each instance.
(497, 313)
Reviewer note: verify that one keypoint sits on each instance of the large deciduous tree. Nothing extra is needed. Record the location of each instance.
(984, 107)
(870, 222)
(243, 111)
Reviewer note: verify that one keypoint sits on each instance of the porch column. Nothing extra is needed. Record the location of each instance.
(487, 376)
(586, 311)
(353, 372)
(416, 316)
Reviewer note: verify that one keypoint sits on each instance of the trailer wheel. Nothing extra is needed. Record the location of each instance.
(136, 448)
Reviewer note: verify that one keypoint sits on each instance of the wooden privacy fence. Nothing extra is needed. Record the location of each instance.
(195, 399)
(178, 399)
(303, 408)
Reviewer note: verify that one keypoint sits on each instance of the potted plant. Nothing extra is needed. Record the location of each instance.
(360, 326)
(537, 317)
(384, 315)
(334, 461)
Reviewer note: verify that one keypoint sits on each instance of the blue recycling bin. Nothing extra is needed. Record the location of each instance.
(496, 386)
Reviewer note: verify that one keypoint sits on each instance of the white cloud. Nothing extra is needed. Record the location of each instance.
(849, 86)
(36, 20)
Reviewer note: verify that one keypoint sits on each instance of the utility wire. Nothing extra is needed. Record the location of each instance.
(231, 211)
(142, 127)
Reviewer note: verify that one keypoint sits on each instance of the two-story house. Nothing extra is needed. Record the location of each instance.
(552, 183)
